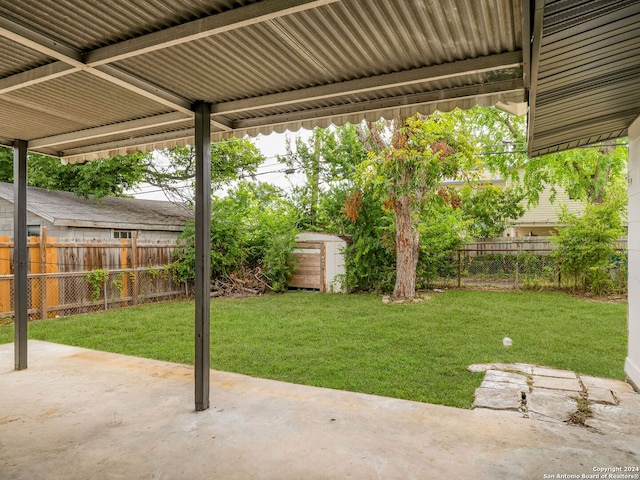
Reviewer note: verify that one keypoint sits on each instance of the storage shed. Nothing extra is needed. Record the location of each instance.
(320, 262)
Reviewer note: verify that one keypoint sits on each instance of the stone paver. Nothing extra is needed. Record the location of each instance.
(521, 387)
(505, 367)
(551, 404)
(617, 386)
(556, 383)
(601, 395)
(506, 377)
(552, 372)
(502, 399)
(551, 395)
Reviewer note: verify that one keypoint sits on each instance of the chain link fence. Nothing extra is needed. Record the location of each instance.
(53, 295)
(527, 270)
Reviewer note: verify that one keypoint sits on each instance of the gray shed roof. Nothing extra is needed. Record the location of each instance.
(67, 209)
(90, 79)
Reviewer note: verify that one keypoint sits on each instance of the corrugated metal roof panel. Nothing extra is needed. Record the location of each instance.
(15, 58)
(588, 74)
(90, 24)
(294, 53)
(124, 60)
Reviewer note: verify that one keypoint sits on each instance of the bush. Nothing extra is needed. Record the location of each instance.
(586, 246)
(254, 227)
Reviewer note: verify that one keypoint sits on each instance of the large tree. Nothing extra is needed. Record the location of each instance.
(412, 158)
(172, 170)
(328, 161)
(106, 177)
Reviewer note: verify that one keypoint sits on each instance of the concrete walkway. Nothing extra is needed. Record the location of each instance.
(82, 414)
(553, 395)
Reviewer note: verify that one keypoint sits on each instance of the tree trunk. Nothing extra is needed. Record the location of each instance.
(407, 247)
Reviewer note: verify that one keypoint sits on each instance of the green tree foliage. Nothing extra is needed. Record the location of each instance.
(588, 174)
(6, 165)
(489, 210)
(586, 245)
(328, 161)
(230, 160)
(253, 226)
(106, 177)
(584, 173)
(172, 170)
(408, 170)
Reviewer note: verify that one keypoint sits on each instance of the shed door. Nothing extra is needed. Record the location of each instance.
(309, 272)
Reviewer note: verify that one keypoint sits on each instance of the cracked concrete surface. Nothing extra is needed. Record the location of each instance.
(83, 414)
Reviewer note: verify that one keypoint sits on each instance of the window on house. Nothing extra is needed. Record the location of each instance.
(33, 229)
(122, 234)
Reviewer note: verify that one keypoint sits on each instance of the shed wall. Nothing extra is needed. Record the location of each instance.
(320, 262)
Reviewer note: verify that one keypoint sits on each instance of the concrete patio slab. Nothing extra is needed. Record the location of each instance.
(83, 414)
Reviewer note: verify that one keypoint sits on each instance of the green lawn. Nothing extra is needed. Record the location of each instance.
(354, 342)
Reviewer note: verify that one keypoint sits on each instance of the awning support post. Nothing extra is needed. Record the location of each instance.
(20, 287)
(203, 253)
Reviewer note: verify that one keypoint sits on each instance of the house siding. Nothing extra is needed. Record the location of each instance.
(543, 217)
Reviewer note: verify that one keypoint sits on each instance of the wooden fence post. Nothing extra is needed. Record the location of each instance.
(42, 261)
(5, 269)
(134, 265)
(52, 283)
(34, 266)
(124, 265)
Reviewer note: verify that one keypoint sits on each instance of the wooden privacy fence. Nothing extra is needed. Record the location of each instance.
(538, 245)
(66, 278)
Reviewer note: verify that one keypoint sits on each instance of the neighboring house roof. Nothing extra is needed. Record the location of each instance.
(68, 209)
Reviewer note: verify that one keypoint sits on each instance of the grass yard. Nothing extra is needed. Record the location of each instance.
(354, 342)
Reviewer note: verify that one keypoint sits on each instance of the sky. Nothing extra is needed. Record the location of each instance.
(270, 171)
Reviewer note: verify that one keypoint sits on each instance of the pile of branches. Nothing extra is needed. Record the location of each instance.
(244, 282)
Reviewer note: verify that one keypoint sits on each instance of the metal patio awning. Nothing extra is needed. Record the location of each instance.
(82, 80)
(585, 72)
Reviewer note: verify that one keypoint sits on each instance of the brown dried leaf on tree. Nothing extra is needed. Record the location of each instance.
(450, 196)
(443, 148)
(352, 206)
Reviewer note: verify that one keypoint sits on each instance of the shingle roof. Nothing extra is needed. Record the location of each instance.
(67, 209)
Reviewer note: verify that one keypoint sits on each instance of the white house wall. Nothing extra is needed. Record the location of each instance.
(6, 218)
(545, 213)
(632, 364)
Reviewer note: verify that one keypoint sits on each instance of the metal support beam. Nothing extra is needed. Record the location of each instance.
(20, 253)
(490, 63)
(203, 251)
(238, 17)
